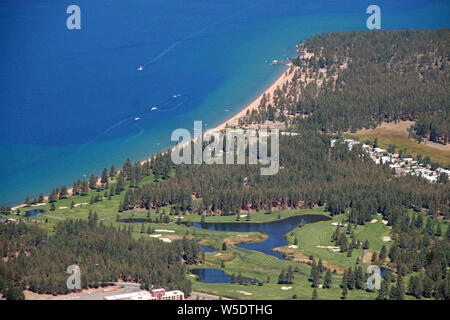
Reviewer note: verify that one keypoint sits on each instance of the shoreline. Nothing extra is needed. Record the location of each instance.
(286, 76)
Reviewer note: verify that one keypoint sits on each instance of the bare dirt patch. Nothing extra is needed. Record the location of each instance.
(299, 256)
(248, 239)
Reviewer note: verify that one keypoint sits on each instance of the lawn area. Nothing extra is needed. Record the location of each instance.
(266, 269)
(313, 238)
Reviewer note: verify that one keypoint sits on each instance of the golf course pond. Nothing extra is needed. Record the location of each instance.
(206, 275)
(275, 231)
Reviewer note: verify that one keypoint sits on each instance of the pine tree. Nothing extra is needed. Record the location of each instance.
(282, 277)
(438, 230)
(104, 178)
(374, 257)
(350, 279)
(314, 295)
(383, 293)
(344, 293)
(383, 254)
(112, 172)
(92, 181)
(27, 200)
(327, 282)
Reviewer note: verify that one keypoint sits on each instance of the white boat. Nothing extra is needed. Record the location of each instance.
(154, 108)
(137, 118)
(140, 68)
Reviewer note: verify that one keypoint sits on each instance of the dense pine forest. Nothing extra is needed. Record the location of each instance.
(434, 127)
(103, 253)
(390, 75)
(312, 173)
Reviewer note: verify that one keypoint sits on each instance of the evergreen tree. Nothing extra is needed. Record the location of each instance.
(327, 282)
(314, 295)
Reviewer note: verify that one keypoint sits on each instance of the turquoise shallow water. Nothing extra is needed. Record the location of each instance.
(68, 99)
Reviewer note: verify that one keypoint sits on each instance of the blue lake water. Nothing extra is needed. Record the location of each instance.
(207, 248)
(32, 213)
(215, 276)
(276, 231)
(69, 98)
(384, 271)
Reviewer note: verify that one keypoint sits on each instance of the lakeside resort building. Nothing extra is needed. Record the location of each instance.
(155, 294)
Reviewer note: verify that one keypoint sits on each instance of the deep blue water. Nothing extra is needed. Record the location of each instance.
(384, 271)
(215, 276)
(208, 248)
(32, 213)
(68, 98)
(276, 231)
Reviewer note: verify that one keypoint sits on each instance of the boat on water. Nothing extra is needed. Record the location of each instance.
(137, 118)
(140, 68)
(154, 108)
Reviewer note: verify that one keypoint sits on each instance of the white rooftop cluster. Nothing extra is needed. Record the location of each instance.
(400, 165)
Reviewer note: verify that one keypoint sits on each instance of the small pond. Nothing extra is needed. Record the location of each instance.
(215, 276)
(32, 213)
(207, 248)
(384, 271)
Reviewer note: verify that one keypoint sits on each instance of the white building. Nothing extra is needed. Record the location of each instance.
(155, 294)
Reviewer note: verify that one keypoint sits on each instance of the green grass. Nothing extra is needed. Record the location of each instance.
(319, 234)
(259, 266)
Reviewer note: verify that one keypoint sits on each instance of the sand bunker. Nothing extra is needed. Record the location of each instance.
(334, 249)
(163, 230)
(286, 288)
(386, 239)
(79, 204)
(246, 293)
(339, 224)
(373, 221)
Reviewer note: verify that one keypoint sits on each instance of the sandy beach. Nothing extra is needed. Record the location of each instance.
(285, 77)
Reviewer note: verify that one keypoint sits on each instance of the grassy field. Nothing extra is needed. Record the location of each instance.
(312, 238)
(397, 134)
(266, 269)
